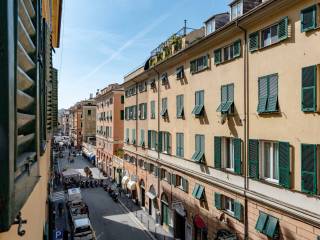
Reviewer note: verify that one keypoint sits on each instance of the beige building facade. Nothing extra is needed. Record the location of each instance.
(229, 138)
(109, 133)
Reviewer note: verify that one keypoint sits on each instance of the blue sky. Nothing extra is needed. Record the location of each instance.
(103, 40)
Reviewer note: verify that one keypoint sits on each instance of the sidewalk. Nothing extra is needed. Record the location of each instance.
(156, 230)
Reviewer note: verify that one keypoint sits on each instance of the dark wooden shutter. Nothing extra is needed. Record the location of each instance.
(253, 159)
(237, 155)
(309, 89)
(217, 152)
(309, 168)
(284, 164)
(283, 28)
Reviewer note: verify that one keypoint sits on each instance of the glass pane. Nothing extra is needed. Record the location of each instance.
(274, 34)
(226, 53)
(239, 9)
(266, 155)
(266, 35)
(234, 12)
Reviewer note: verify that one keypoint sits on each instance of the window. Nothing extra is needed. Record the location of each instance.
(309, 18)
(217, 56)
(164, 143)
(122, 99)
(309, 160)
(133, 136)
(229, 52)
(198, 155)
(151, 167)
(180, 144)
(152, 139)
(153, 109)
(143, 111)
(210, 26)
(142, 143)
(198, 192)
(227, 99)
(268, 225)
(309, 89)
(180, 106)
(229, 205)
(121, 114)
(271, 161)
(89, 112)
(199, 103)
(127, 135)
(141, 163)
(268, 94)
(142, 86)
(236, 10)
(164, 79)
(269, 36)
(254, 41)
(199, 64)
(180, 73)
(164, 111)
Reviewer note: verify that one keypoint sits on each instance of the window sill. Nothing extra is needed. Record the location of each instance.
(199, 71)
(227, 61)
(269, 112)
(270, 45)
(271, 181)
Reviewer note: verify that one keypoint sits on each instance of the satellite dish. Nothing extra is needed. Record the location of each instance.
(223, 118)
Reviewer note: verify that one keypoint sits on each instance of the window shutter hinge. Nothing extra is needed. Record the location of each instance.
(20, 222)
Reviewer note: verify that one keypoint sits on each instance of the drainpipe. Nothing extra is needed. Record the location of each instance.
(246, 126)
(158, 125)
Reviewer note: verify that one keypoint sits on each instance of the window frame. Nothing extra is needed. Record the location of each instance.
(180, 144)
(196, 67)
(180, 106)
(238, 5)
(315, 12)
(273, 163)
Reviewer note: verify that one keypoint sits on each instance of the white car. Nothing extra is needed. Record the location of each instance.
(82, 229)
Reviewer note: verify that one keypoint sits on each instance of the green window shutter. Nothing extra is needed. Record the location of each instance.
(217, 56)
(160, 141)
(145, 111)
(173, 180)
(237, 49)
(193, 66)
(185, 185)
(200, 193)
(217, 152)
(168, 145)
(261, 223)
(181, 145)
(253, 41)
(238, 210)
(149, 139)
(309, 89)
(284, 164)
(169, 177)
(237, 155)
(308, 18)
(217, 200)
(205, 61)
(272, 227)
(283, 28)
(272, 104)
(262, 94)
(253, 159)
(195, 190)
(152, 104)
(309, 168)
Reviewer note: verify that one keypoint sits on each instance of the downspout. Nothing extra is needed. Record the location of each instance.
(137, 117)
(246, 127)
(158, 125)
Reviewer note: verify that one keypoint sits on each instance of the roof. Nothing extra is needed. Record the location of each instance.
(81, 222)
(215, 15)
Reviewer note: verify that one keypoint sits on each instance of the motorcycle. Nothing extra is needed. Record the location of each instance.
(87, 184)
(92, 184)
(115, 196)
(96, 183)
(101, 183)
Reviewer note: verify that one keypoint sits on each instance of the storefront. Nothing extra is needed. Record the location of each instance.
(118, 171)
(153, 206)
(124, 182)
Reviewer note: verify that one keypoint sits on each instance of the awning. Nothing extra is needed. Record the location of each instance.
(131, 185)
(199, 223)
(151, 195)
(124, 180)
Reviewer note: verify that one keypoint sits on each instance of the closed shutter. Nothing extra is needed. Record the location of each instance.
(238, 210)
(185, 185)
(217, 56)
(237, 49)
(217, 200)
(174, 180)
(253, 159)
(168, 142)
(181, 144)
(217, 152)
(160, 141)
(237, 155)
(309, 89)
(253, 41)
(169, 177)
(145, 111)
(284, 164)
(283, 28)
(262, 94)
(309, 168)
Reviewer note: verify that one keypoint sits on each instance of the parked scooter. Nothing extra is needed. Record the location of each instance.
(115, 196)
(96, 183)
(87, 184)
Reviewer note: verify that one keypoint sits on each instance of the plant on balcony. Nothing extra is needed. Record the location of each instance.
(153, 61)
(159, 56)
(166, 51)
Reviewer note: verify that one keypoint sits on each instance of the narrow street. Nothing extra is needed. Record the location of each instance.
(108, 218)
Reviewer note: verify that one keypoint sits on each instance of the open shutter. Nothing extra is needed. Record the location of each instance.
(253, 159)
(263, 94)
(253, 41)
(272, 104)
(237, 49)
(217, 152)
(309, 89)
(237, 155)
(238, 210)
(149, 139)
(217, 200)
(261, 223)
(283, 28)
(284, 164)
(309, 168)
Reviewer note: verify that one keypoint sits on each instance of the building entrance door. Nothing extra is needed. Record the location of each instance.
(180, 224)
(143, 197)
(150, 206)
